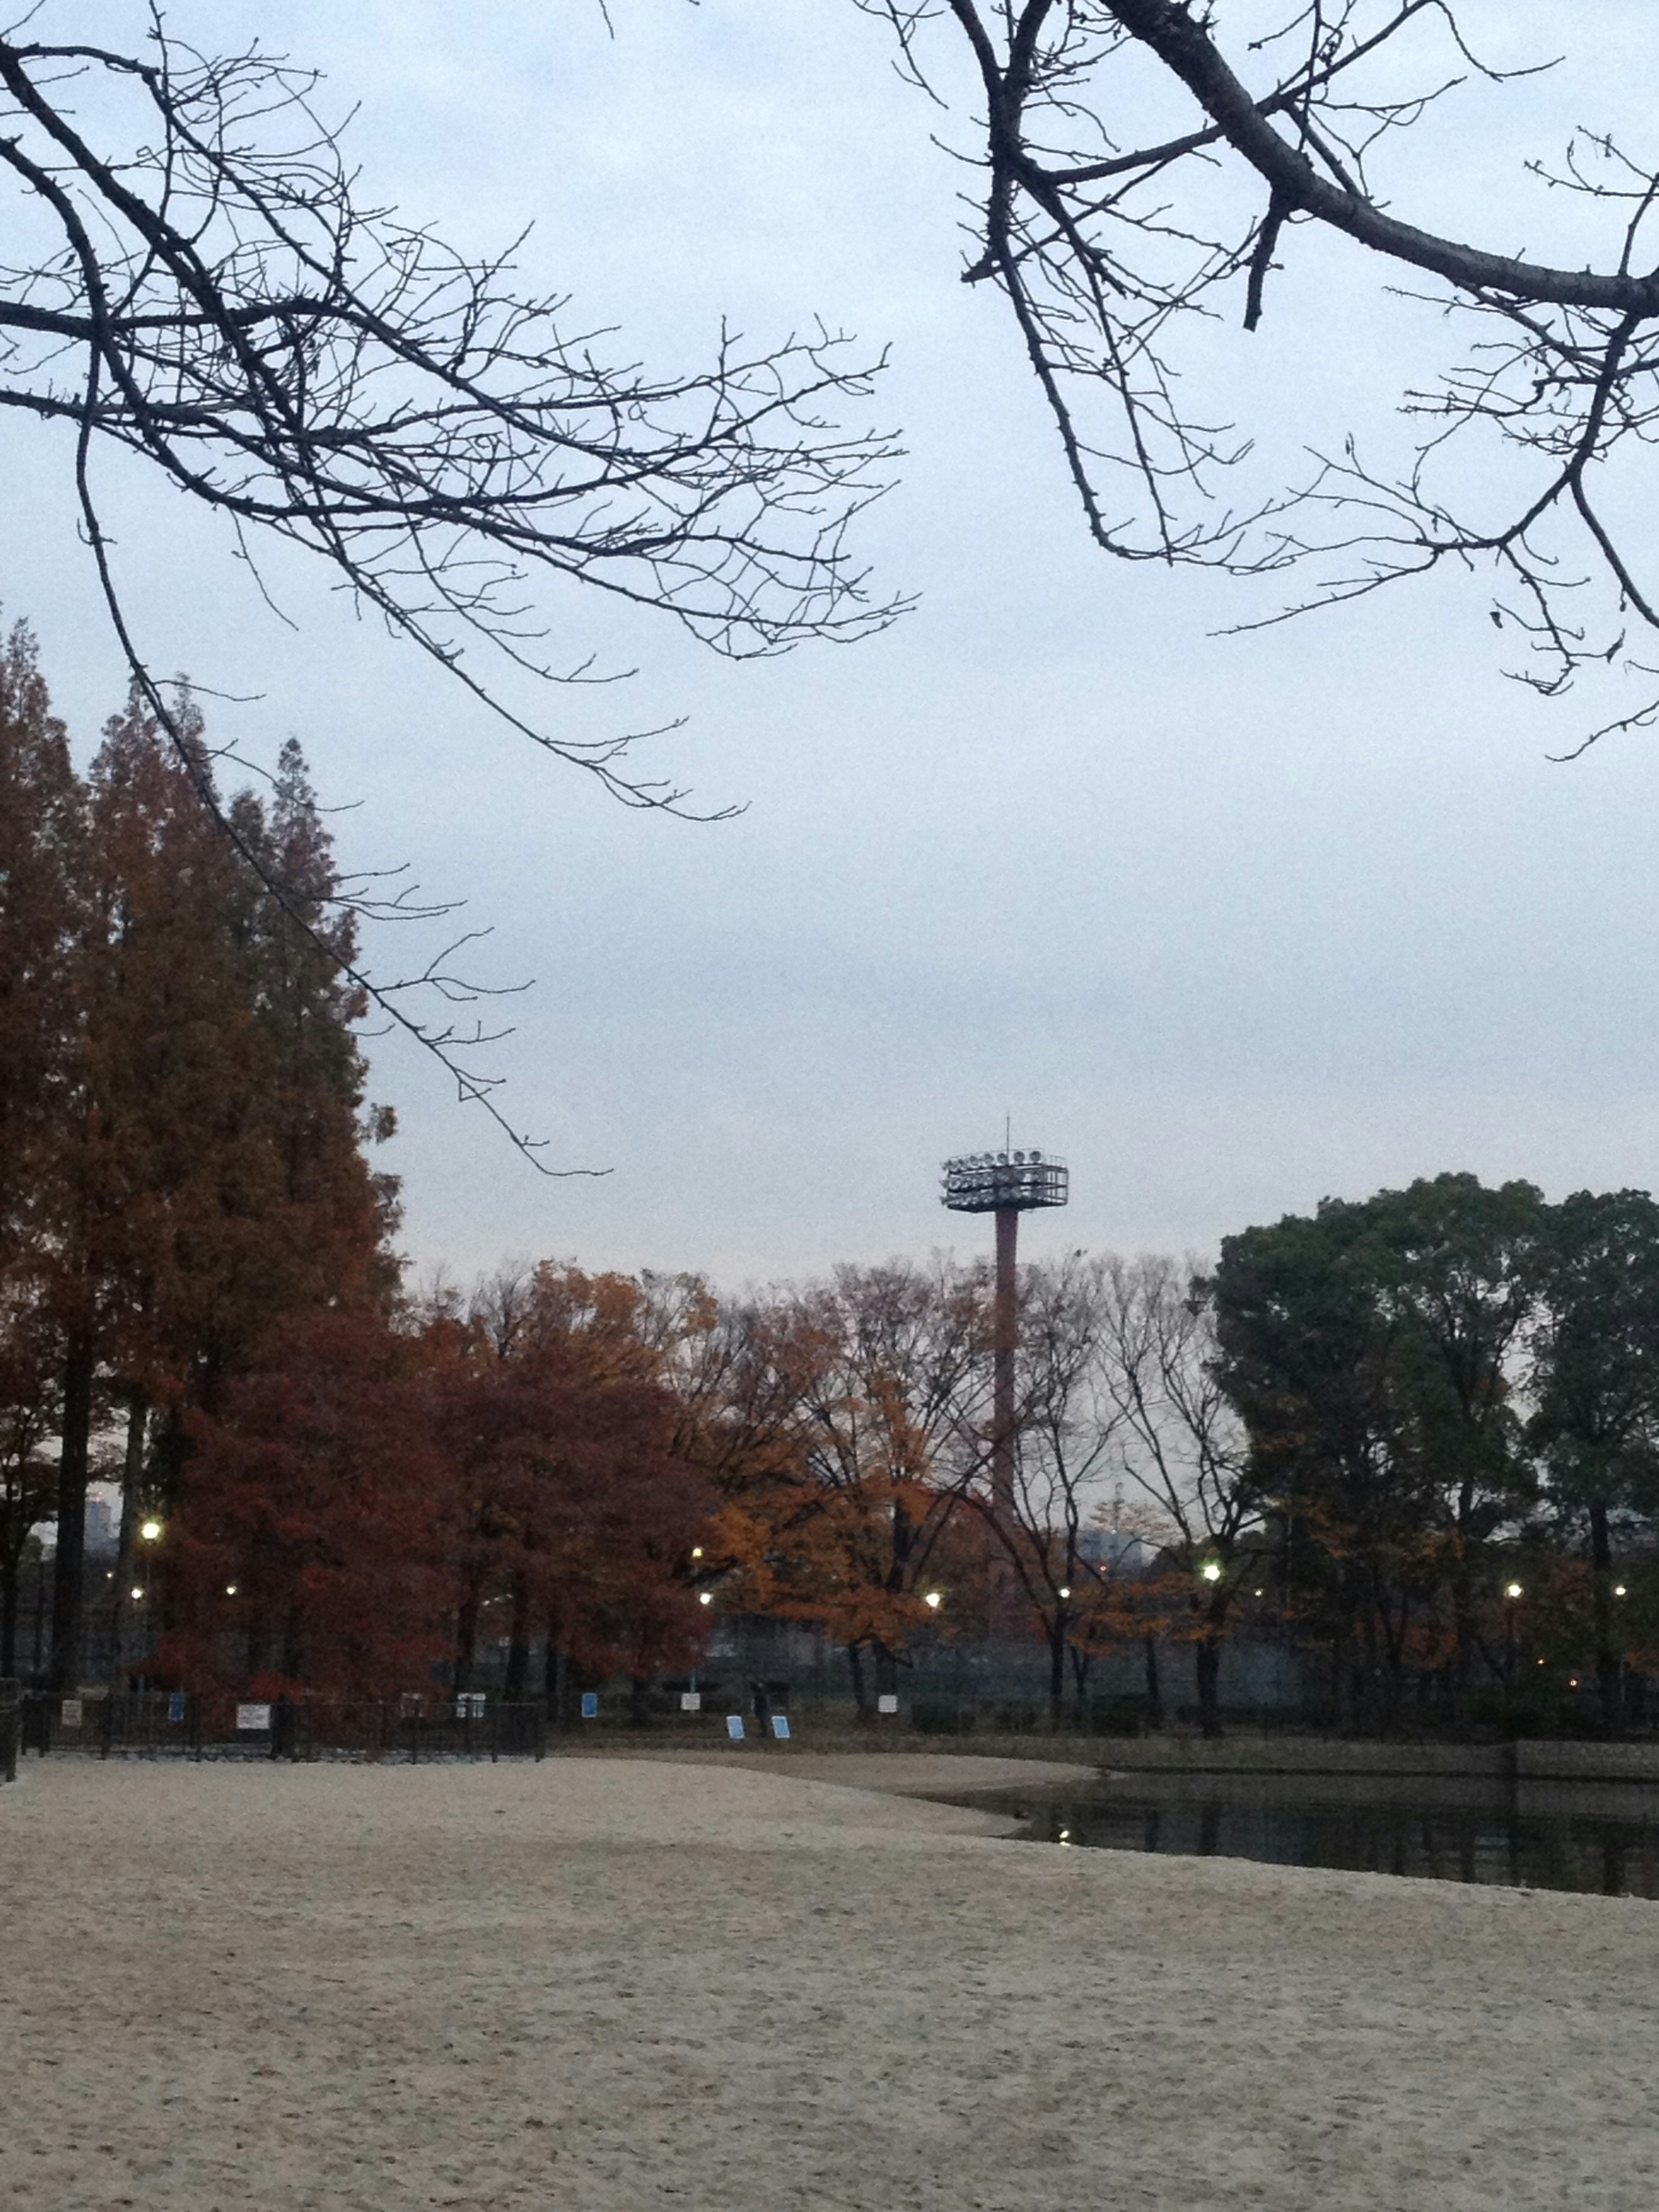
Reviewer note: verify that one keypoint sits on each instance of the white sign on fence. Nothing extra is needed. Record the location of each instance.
(734, 1727)
(69, 1713)
(253, 1717)
(780, 1728)
(470, 1705)
(690, 1701)
(887, 1703)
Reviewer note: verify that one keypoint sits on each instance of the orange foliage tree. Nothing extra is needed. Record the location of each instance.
(870, 1382)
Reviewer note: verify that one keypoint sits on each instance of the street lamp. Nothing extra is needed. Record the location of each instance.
(934, 1600)
(1512, 1590)
(150, 1530)
(1211, 1570)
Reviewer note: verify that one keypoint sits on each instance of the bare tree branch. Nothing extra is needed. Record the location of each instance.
(1112, 258)
(199, 285)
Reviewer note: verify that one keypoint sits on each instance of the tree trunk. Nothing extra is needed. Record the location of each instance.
(556, 1677)
(132, 1471)
(11, 1570)
(1207, 1657)
(1607, 1657)
(518, 1644)
(855, 1667)
(466, 1636)
(68, 1568)
(1464, 1610)
(1154, 1690)
(1056, 1677)
(1080, 1686)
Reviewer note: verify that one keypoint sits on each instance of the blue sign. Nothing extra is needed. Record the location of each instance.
(780, 1728)
(590, 1704)
(176, 1706)
(734, 1727)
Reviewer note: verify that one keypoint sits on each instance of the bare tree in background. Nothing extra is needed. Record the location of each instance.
(1116, 258)
(1179, 1442)
(191, 277)
(1064, 1431)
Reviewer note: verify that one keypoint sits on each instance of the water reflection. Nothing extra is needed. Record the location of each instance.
(1531, 1836)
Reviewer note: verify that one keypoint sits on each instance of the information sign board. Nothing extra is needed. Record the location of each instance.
(69, 1713)
(590, 1704)
(887, 1703)
(690, 1701)
(734, 1727)
(780, 1728)
(253, 1717)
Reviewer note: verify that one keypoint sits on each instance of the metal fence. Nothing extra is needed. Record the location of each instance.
(162, 1723)
(10, 1727)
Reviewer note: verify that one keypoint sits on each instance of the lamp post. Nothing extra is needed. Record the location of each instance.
(1512, 1594)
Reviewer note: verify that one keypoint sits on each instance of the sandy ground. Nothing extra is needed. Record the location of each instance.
(606, 1986)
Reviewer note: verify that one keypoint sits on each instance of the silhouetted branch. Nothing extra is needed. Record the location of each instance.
(1112, 258)
(195, 281)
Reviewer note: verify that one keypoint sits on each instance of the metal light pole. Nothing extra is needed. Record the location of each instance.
(1006, 1184)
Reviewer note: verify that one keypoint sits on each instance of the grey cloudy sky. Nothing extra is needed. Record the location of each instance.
(1232, 923)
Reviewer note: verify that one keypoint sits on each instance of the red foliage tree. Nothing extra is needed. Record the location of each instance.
(312, 1543)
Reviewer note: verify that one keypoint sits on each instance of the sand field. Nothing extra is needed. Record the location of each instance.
(610, 1985)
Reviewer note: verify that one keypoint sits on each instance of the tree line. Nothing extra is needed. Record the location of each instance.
(1417, 1435)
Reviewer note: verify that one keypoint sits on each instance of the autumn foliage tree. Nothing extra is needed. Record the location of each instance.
(875, 1377)
(576, 1509)
(181, 1124)
(314, 1531)
(379, 1496)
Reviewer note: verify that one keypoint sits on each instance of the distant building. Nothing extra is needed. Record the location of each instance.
(103, 1525)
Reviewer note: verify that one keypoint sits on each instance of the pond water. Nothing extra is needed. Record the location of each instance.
(1599, 1838)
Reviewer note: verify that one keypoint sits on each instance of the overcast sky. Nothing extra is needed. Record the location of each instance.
(1232, 924)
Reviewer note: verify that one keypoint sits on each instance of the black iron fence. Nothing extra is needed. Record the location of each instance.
(10, 1727)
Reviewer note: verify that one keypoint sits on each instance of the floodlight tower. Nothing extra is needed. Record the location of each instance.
(1006, 1184)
